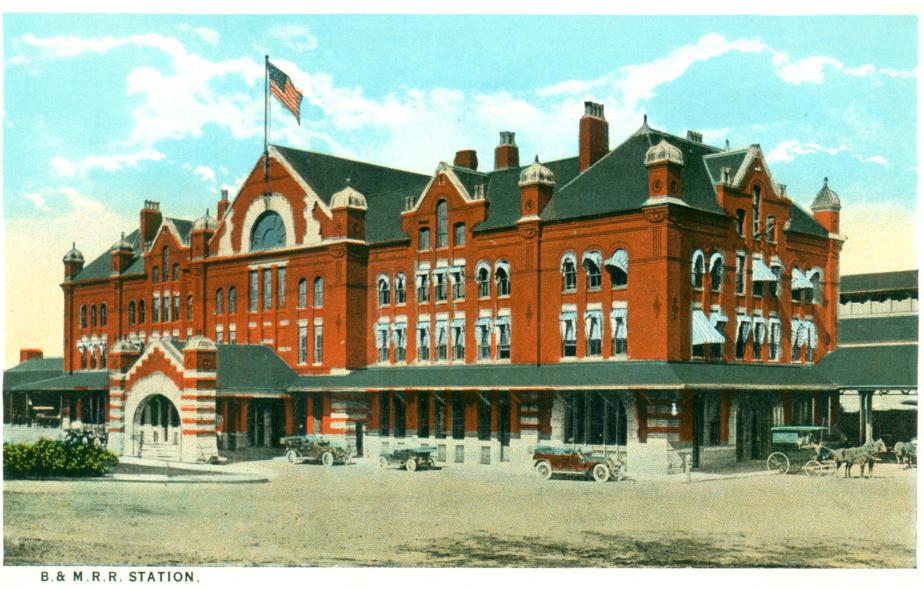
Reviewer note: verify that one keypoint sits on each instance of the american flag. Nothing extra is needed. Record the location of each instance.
(284, 90)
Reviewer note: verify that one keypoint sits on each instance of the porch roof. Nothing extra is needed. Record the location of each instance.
(32, 370)
(87, 380)
(881, 366)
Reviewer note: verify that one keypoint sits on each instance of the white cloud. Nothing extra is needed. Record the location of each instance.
(37, 199)
(208, 35)
(873, 159)
(812, 69)
(108, 163)
(786, 151)
(298, 38)
(205, 173)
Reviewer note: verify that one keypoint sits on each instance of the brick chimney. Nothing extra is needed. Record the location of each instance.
(466, 158)
(150, 222)
(223, 205)
(594, 140)
(506, 154)
(26, 354)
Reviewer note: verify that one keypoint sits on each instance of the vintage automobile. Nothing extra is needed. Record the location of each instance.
(800, 447)
(549, 460)
(315, 448)
(409, 458)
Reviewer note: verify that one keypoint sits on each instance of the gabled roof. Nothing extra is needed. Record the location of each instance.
(866, 329)
(181, 226)
(101, 267)
(503, 191)
(880, 282)
(32, 370)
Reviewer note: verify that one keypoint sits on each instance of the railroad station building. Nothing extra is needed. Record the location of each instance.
(660, 299)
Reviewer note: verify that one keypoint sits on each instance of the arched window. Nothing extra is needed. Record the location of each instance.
(318, 292)
(219, 302)
(83, 316)
(384, 291)
(189, 306)
(268, 232)
(103, 319)
(502, 278)
(716, 271)
(92, 315)
(131, 312)
(483, 279)
(756, 210)
(302, 293)
(568, 272)
(698, 267)
(618, 267)
(141, 311)
(442, 224)
(815, 294)
(400, 295)
(165, 260)
(232, 300)
(592, 262)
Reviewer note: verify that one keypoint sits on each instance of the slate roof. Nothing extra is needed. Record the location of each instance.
(84, 380)
(257, 368)
(503, 192)
(32, 371)
(876, 367)
(897, 328)
(879, 282)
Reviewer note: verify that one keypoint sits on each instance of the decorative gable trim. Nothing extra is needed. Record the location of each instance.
(443, 168)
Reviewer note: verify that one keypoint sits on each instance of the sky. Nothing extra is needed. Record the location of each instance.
(102, 112)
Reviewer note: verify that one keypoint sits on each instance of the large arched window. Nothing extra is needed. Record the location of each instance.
(131, 312)
(302, 293)
(400, 294)
(103, 318)
(318, 292)
(165, 260)
(219, 302)
(568, 272)
(268, 232)
(815, 294)
(232, 300)
(383, 290)
(716, 271)
(83, 316)
(483, 278)
(756, 210)
(502, 278)
(698, 268)
(592, 262)
(442, 224)
(92, 315)
(141, 311)
(618, 267)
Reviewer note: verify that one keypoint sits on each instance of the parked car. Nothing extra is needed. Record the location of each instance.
(409, 458)
(549, 460)
(315, 448)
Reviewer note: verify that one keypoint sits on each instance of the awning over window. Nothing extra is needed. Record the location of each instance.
(568, 257)
(482, 330)
(441, 270)
(811, 334)
(776, 262)
(703, 330)
(799, 281)
(423, 334)
(592, 256)
(502, 323)
(441, 327)
(420, 278)
(760, 329)
(592, 323)
(566, 320)
(502, 265)
(716, 317)
(798, 335)
(618, 323)
(619, 259)
(776, 330)
(381, 335)
(459, 322)
(743, 328)
(398, 331)
(457, 274)
(760, 271)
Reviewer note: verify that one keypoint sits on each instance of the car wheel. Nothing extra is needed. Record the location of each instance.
(327, 459)
(383, 462)
(292, 456)
(778, 462)
(544, 470)
(431, 463)
(601, 473)
(410, 465)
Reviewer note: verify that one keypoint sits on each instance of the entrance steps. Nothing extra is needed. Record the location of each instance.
(167, 452)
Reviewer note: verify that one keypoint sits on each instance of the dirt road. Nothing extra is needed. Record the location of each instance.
(360, 515)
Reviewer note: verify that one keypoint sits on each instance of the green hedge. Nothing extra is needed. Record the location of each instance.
(48, 458)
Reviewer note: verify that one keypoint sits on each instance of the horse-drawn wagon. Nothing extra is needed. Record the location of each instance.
(315, 448)
(799, 447)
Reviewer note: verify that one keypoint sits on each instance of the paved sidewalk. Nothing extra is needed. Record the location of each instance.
(210, 473)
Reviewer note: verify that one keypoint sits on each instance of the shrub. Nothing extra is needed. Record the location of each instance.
(48, 458)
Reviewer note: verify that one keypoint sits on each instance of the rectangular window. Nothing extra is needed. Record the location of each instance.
(757, 288)
(739, 272)
(302, 344)
(400, 336)
(219, 334)
(439, 286)
(503, 340)
(423, 288)
(442, 340)
(280, 288)
(458, 284)
(568, 335)
(739, 222)
(267, 288)
(176, 308)
(254, 291)
(318, 344)
(458, 341)
(232, 334)
(741, 339)
(381, 341)
(155, 310)
(423, 239)
(483, 335)
(423, 342)
(593, 333)
(155, 274)
(771, 229)
(715, 350)
(459, 238)
(757, 340)
(399, 290)
(774, 286)
(166, 308)
(775, 339)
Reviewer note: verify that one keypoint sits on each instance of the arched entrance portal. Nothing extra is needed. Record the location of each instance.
(157, 433)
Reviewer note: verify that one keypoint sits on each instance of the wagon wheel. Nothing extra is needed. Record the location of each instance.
(601, 473)
(812, 468)
(383, 462)
(410, 465)
(293, 456)
(544, 470)
(778, 462)
(327, 459)
(431, 463)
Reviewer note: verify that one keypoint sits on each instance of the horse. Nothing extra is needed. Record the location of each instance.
(865, 455)
(905, 453)
(900, 450)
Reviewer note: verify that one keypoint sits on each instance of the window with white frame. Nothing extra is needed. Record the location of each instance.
(716, 271)
(318, 343)
(567, 325)
(502, 330)
(166, 301)
(423, 286)
(502, 278)
(619, 331)
(568, 272)
(399, 337)
(302, 293)
(442, 224)
(811, 341)
(232, 334)
(798, 285)
(592, 261)
(816, 293)
(593, 332)
(742, 334)
(740, 261)
(423, 341)
(458, 339)
(457, 277)
(302, 344)
(219, 334)
(617, 266)
(776, 286)
(381, 340)
(441, 341)
(798, 337)
(483, 279)
(318, 292)
(758, 338)
(400, 295)
(698, 268)
(739, 222)
(440, 286)
(776, 339)
(770, 231)
(483, 337)
(384, 291)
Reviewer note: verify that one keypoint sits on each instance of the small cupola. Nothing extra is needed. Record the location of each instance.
(349, 211)
(826, 209)
(202, 231)
(121, 254)
(205, 223)
(348, 197)
(537, 183)
(73, 262)
(665, 165)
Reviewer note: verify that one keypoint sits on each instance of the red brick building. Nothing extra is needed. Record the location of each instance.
(659, 298)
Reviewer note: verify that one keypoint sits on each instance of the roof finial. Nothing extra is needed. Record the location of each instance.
(123, 235)
(206, 211)
(537, 158)
(645, 118)
(826, 180)
(348, 181)
(727, 146)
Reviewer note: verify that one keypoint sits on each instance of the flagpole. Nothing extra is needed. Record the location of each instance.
(266, 114)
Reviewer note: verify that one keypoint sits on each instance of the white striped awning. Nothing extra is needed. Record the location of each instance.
(593, 256)
(797, 334)
(423, 333)
(502, 322)
(459, 322)
(717, 316)
(811, 333)
(619, 259)
(381, 330)
(566, 321)
(760, 329)
(703, 330)
(799, 280)
(760, 271)
(592, 323)
(743, 327)
(482, 330)
(397, 333)
(457, 274)
(618, 326)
